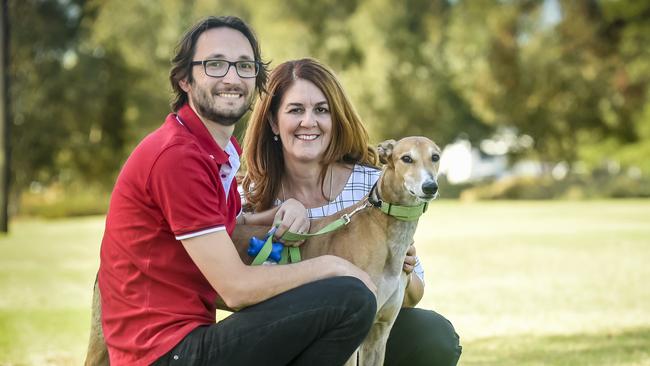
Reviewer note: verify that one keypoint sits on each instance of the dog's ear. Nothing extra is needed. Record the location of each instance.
(385, 150)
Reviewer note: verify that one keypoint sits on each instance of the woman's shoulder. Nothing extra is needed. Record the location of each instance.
(361, 181)
(366, 168)
(365, 173)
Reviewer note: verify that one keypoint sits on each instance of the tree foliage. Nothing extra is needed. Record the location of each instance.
(90, 77)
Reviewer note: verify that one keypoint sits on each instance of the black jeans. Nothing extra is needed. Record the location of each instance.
(321, 323)
(422, 337)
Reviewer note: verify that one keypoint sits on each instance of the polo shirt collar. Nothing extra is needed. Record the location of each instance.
(196, 127)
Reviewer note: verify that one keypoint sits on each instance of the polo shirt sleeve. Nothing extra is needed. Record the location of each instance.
(185, 186)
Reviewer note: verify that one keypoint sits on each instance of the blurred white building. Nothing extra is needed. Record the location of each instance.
(462, 163)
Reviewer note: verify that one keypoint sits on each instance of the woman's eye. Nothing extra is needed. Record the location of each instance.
(322, 110)
(295, 110)
(407, 159)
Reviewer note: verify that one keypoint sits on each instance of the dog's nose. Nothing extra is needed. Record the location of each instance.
(430, 187)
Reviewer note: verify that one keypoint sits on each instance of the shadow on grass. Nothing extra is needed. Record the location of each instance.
(628, 347)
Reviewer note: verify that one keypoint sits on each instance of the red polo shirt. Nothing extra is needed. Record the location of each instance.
(177, 184)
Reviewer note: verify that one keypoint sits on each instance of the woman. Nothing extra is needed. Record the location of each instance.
(306, 143)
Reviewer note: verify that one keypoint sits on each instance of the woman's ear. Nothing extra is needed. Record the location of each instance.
(274, 126)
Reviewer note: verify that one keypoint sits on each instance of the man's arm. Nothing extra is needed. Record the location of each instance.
(240, 285)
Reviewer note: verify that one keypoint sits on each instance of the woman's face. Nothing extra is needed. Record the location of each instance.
(303, 122)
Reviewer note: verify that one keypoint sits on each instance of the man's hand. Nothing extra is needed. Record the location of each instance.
(410, 260)
(292, 216)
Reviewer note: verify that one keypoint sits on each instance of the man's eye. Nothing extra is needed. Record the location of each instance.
(215, 64)
(435, 157)
(246, 65)
(407, 159)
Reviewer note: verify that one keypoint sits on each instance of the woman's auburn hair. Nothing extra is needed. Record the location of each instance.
(263, 156)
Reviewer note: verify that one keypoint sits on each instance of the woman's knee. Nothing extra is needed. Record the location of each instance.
(446, 341)
(423, 337)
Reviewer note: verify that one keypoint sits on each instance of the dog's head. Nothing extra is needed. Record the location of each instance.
(411, 170)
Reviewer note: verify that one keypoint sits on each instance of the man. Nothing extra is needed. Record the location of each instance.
(166, 250)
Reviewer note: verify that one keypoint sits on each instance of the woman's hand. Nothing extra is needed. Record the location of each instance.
(410, 260)
(292, 216)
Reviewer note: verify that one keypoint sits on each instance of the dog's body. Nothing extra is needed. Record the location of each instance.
(373, 241)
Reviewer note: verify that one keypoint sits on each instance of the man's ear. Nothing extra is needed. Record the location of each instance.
(385, 150)
(185, 85)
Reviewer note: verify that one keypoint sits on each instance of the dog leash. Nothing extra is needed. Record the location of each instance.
(288, 254)
(292, 254)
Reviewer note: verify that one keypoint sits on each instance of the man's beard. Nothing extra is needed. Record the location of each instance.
(205, 106)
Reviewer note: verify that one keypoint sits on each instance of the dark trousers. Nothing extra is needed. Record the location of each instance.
(321, 323)
(422, 337)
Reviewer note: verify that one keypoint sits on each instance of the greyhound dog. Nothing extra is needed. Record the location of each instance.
(375, 240)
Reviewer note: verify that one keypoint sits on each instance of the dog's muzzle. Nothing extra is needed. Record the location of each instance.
(430, 187)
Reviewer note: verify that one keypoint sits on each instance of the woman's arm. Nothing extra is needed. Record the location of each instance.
(414, 291)
(291, 215)
(414, 285)
(264, 218)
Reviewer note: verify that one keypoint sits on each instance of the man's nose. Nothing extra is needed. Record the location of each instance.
(430, 187)
(231, 75)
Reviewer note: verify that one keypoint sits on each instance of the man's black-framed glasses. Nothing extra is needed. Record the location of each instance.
(219, 68)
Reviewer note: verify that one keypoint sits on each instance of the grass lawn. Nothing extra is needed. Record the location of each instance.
(525, 283)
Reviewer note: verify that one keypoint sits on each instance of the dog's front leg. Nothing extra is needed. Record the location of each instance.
(352, 361)
(373, 348)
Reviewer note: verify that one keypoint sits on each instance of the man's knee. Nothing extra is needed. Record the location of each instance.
(361, 296)
(355, 291)
(355, 296)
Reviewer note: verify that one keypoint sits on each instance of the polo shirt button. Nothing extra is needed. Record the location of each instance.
(175, 357)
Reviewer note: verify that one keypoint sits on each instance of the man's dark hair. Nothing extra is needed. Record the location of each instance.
(181, 63)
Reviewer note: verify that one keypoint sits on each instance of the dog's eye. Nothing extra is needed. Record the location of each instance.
(407, 159)
(435, 157)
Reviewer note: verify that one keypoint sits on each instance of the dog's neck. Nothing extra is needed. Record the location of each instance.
(398, 232)
(385, 190)
(398, 236)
